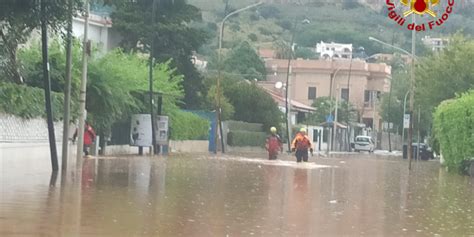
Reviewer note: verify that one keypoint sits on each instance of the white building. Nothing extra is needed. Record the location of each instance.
(334, 50)
(100, 32)
(435, 44)
(201, 65)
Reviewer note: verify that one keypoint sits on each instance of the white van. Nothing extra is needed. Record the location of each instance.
(364, 143)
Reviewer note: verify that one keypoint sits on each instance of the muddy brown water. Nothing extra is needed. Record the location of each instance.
(202, 195)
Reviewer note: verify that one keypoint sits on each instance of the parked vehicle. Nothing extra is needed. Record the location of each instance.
(364, 143)
(426, 153)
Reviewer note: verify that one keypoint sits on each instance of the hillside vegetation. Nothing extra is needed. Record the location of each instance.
(336, 21)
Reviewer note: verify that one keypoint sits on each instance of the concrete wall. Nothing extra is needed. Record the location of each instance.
(14, 129)
(396, 141)
(175, 146)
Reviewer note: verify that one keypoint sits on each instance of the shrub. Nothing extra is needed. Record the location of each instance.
(264, 31)
(253, 37)
(28, 102)
(454, 129)
(246, 138)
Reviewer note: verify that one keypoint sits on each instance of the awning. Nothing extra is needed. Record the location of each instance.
(295, 105)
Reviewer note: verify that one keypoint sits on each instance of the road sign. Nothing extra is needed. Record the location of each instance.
(329, 118)
(406, 121)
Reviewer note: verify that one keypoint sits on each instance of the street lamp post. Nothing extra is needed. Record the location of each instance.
(288, 72)
(82, 92)
(333, 78)
(412, 87)
(219, 57)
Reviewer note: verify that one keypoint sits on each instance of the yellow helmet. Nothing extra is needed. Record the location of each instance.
(273, 130)
(302, 129)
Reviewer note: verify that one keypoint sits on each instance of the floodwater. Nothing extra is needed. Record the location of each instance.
(202, 195)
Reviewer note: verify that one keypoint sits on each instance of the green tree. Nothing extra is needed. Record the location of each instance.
(31, 62)
(173, 36)
(243, 100)
(326, 105)
(282, 49)
(252, 104)
(245, 61)
(113, 81)
(443, 75)
(400, 86)
(17, 20)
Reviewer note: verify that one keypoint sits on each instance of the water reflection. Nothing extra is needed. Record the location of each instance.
(184, 196)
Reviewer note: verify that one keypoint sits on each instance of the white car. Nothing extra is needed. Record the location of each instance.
(364, 143)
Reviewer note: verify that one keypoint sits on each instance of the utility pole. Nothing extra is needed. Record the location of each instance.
(389, 116)
(348, 132)
(218, 85)
(67, 90)
(412, 93)
(82, 95)
(150, 79)
(47, 87)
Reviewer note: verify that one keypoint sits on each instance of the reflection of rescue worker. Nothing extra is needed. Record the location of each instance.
(273, 144)
(89, 137)
(301, 144)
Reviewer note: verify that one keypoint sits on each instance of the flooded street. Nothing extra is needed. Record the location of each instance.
(201, 195)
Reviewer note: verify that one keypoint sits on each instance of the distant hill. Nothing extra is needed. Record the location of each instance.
(342, 21)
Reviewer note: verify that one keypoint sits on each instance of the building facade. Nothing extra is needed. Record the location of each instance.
(100, 32)
(334, 50)
(355, 80)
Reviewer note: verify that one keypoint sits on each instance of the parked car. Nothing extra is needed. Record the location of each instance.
(426, 152)
(364, 143)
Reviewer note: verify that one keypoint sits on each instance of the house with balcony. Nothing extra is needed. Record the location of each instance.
(358, 82)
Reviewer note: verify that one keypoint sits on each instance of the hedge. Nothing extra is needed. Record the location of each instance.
(28, 102)
(246, 138)
(454, 130)
(243, 126)
(188, 126)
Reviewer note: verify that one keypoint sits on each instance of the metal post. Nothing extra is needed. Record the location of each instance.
(374, 105)
(150, 78)
(389, 116)
(418, 127)
(219, 57)
(403, 118)
(335, 120)
(47, 87)
(348, 104)
(82, 96)
(160, 106)
(67, 90)
(412, 93)
(287, 97)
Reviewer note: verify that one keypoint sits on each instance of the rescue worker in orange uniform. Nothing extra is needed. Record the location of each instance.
(301, 144)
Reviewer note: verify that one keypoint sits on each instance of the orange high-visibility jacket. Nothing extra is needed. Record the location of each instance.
(301, 142)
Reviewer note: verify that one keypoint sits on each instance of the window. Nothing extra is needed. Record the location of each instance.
(345, 94)
(311, 93)
(366, 96)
